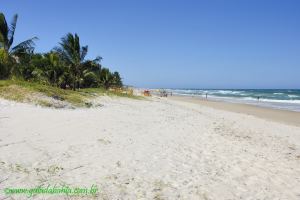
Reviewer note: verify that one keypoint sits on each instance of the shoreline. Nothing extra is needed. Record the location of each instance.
(277, 115)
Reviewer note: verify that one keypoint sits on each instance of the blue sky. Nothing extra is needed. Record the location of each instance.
(178, 44)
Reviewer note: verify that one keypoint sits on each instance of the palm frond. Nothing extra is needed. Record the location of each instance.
(83, 52)
(1, 41)
(76, 44)
(64, 55)
(3, 31)
(68, 49)
(11, 31)
(25, 46)
(1, 44)
(98, 59)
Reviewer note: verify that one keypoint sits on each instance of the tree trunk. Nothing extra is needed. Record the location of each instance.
(74, 84)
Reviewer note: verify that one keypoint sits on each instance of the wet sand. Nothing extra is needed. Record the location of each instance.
(283, 116)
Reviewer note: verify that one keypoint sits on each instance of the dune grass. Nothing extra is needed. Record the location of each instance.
(23, 91)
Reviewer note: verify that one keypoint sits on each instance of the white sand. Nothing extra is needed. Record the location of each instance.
(156, 149)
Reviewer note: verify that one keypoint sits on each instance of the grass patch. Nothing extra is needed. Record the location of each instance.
(24, 91)
(102, 91)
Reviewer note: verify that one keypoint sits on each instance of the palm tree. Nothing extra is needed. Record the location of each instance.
(73, 55)
(106, 78)
(10, 55)
(90, 72)
(7, 38)
(117, 80)
(54, 68)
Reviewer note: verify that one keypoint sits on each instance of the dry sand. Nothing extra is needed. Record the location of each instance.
(149, 149)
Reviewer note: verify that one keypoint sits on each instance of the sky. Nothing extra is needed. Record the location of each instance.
(232, 44)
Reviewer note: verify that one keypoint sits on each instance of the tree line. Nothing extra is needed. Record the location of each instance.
(65, 66)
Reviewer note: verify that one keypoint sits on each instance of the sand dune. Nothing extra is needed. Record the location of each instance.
(149, 149)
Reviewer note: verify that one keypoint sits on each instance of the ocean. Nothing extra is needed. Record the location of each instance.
(286, 99)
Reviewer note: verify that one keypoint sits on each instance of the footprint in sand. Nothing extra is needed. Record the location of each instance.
(103, 141)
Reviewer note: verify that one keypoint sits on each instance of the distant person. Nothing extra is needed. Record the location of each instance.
(258, 98)
(206, 95)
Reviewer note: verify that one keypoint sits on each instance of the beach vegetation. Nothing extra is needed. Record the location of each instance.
(65, 66)
(64, 73)
(52, 96)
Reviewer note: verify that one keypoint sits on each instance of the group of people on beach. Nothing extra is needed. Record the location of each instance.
(164, 93)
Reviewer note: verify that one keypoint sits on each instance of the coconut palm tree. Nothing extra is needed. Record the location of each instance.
(73, 55)
(7, 33)
(90, 73)
(106, 78)
(117, 80)
(10, 55)
(54, 69)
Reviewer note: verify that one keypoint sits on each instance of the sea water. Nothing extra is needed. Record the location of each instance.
(287, 99)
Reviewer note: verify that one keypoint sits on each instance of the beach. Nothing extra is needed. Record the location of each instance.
(156, 148)
(283, 116)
